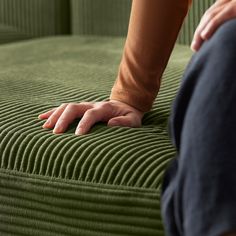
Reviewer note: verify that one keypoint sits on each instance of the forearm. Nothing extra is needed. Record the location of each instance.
(153, 29)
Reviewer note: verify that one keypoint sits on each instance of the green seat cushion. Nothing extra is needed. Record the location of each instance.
(105, 183)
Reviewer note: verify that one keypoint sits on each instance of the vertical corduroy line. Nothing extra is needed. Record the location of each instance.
(104, 183)
(104, 17)
(192, 20)
(100, 17)
(35, 18)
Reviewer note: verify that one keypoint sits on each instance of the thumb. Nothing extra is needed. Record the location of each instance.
(125, 121)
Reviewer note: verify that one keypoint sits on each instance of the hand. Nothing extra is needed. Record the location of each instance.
(220, 12)
(113, 112)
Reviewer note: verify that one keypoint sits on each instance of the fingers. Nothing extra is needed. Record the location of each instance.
(94, 115)
(70, 113)
(66, 118)
(60, 118)
(129, 120)
(226, 14)
(198, 38)
(50, 123)
(115, 113)
(214, 17)
(91, 117)
(45, 115)
(197, 42)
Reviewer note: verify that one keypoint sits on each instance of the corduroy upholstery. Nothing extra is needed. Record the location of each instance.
(11, 34)
(104, 183)
(91, 17)
(24, 19)
(191, 22)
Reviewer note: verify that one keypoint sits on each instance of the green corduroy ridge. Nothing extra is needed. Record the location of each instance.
(104, 183)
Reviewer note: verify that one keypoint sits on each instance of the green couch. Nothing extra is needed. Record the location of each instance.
(107, 182)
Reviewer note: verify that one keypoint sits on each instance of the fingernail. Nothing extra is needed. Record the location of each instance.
(204, 34)
(46, 125)
(48, 122)
(57, 130)
(79, 131)
(193, 46)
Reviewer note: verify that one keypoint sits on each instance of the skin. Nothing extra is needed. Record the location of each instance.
(214, 17)
(117, 113)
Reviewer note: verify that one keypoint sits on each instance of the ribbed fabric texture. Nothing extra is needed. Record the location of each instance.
(105, 17)
(10, 34)
(100, 17)
(34, 18)
(104, 183)
(192, 20)
(39, 206)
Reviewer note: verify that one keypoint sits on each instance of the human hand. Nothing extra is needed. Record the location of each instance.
(113, 112)
(220, 12)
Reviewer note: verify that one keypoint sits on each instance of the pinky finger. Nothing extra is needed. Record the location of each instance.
(46, 115)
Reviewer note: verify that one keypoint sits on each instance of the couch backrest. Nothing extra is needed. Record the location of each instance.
(194, 16)
(21, 19)
(100, 17)
(110, 17)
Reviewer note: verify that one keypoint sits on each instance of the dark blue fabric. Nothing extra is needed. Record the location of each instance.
(199, 187)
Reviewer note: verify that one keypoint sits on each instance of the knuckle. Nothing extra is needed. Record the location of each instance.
(209, 17)
(91, 112)
(86, 103)
(54, 118)
(206, 14)
(106, 106)
(62, 120)
(209, 14)
(71, 105)
(51, 121)
(63, 104)
(82, 124)
(213, 23)
(234, 7)
(231, 10)
(197, 32)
